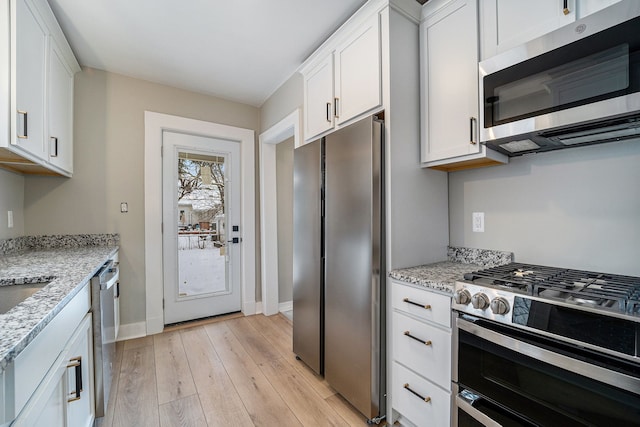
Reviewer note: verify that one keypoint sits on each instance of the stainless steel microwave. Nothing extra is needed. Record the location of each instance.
(577, 85)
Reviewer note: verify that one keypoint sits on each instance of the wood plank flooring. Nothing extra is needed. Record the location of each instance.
(235, 372)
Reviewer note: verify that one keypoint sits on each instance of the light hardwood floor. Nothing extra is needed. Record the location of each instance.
(235, 372)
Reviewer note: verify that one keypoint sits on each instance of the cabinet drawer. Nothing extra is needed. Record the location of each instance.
(422, 303)
(434, 412)
(432, 361)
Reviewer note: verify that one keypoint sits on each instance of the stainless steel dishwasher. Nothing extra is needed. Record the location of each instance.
(105, 294)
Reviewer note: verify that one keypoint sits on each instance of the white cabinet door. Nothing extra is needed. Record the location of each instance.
(60, 97)
(358, 81)
(47, 405)
(509, 23)
(587, 7)
(318, 99)
(506, 24)
(30, 51)
(80, 391)
(449, 80)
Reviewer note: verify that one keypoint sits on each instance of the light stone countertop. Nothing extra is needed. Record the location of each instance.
(68, 268)
(441, 276)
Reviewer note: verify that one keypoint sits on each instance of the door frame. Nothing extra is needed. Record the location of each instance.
(280, 132)
(155, 124)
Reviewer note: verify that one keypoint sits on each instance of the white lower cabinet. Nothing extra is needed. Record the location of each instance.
(421, 356)
(420, 401)
(51, 382)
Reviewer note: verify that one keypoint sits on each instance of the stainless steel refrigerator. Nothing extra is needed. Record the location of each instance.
(339, 263)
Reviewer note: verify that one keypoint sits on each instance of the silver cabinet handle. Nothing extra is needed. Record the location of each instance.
(54, 139)
(472, 141)
(329, 112)
(565, 8)
(335, 107)
(25, 126)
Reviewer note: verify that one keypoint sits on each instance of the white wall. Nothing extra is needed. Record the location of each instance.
(108, 167)
(11, 198)
(576, 208)
(284, 182)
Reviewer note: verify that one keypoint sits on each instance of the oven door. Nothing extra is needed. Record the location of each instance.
(510, 377)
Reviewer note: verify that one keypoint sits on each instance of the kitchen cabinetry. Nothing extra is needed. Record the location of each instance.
(449, 87)
(421, 338)
(318, 99)
(51, 381)
(506, 24)
(344, 82)
(37, 77)
(60, 97)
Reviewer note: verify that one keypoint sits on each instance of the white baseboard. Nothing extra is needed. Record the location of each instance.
(251, 307)
(258, 307)
(132, 330)
(285, 306)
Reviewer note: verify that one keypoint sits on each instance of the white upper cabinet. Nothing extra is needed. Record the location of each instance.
(318, 99)
(449, 87)
(30, 43)
(60, 97)
(343, 80)
(358, 73)
(36, 74)
(506, 24)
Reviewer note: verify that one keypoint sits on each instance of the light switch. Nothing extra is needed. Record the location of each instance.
(124, 207)
(10, 219)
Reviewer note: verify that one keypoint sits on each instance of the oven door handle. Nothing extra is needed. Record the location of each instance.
(607, 376)
(481, 417)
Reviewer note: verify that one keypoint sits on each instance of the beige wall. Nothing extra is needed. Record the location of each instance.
(284, 183)
(282, 102)
(108, 163)
(11, 199)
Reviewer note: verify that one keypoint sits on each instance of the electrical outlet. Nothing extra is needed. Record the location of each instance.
(478, 222)
(10, 219)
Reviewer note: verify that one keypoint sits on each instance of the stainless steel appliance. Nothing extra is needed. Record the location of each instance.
(105, 305)
(548, 346)
(578, 85)
(339, 265)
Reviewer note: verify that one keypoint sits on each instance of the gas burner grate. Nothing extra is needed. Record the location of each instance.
(515, 275)
(594, 288)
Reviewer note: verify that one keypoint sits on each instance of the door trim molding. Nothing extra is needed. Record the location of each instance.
(286, 128)
(154, 124)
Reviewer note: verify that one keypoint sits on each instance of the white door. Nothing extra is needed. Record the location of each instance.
(201, 226)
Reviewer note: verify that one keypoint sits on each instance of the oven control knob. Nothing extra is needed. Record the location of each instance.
(480, 301)
(462, 296)
(500, 305)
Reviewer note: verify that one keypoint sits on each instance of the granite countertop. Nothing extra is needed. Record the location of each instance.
(441, 276)
(68, 268)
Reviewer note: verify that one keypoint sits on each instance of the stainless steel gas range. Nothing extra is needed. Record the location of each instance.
(546, 346)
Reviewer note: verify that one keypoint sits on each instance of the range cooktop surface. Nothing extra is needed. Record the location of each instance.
(610, 293)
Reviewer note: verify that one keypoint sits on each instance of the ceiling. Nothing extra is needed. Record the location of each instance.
(241, 50)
